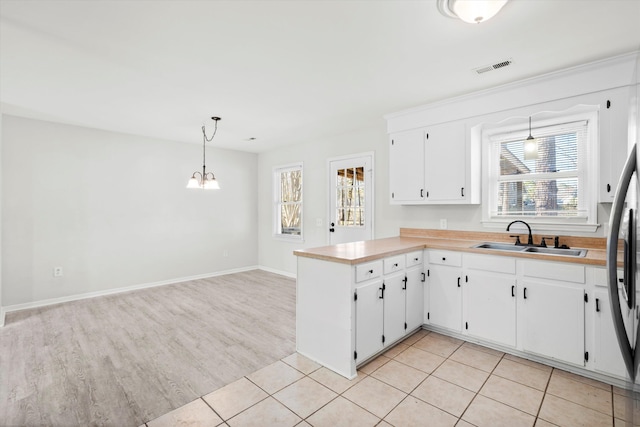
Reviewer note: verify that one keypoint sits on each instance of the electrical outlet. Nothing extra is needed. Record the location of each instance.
(57, 272)
(443, 224)
(318, 222)
(225, 253)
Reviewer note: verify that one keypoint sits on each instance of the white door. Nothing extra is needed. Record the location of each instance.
(351, 199)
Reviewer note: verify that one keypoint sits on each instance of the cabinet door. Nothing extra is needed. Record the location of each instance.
(414, 299)
(614, 125)
(394, 309)
(607, 357)
(553, 321)
(369, 312)
(491, 307)
(445, 162)
(406, 166)
(445, 297)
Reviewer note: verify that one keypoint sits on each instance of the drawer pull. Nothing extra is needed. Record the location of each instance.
(444, 259)
(513, 290)
(395, 265)
(416, 259)
(370, 271)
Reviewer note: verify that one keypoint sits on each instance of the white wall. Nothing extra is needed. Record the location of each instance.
(1, 309)
(113, 211)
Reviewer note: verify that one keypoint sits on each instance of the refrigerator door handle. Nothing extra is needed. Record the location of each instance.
(612, 263)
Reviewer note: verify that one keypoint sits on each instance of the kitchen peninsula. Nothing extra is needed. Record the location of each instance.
(355, 300)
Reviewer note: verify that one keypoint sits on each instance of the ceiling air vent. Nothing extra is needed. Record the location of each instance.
(496, 66)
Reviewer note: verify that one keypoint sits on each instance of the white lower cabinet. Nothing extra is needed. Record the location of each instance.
(490, 298)
(607, 357)
(389, 307)
(394, 308)
(346, 314)
(551, 310)
(414, 297)
(369, 310)
(445, 290)
(491, 307)
(552, 319)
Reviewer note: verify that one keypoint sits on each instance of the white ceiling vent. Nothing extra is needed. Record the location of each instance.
(496, 66)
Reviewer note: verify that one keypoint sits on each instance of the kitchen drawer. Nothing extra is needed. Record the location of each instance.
(453, 259)
(497, 264)
(368, 271)
(414, 258)
(393, 264)
(601, 279)
(555, 271)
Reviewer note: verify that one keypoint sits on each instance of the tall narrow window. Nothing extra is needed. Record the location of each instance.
(287, 191)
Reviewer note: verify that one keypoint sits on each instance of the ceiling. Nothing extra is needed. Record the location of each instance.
(283, 72)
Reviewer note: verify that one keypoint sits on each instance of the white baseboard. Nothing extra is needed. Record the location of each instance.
(76, 297)
(280, 272)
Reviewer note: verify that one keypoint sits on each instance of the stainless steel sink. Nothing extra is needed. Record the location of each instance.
(500, 247)
(557, 251)
(578, 253)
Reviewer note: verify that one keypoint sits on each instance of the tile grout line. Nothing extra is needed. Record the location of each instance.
(478, 392)
(214, 411)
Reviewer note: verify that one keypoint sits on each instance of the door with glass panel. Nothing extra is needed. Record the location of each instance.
(351, 199)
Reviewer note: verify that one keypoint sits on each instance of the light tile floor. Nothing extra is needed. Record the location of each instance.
(427, 380)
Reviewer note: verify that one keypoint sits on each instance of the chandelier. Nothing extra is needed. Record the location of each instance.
(205, 180)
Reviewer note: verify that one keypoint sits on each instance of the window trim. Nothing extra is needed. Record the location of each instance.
(275, 190)
(587, 174)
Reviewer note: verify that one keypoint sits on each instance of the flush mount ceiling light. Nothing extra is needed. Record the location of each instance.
(471, 11)
(530, 146)
(205, 180)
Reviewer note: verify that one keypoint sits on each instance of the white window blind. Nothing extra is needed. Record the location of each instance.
(548, 185)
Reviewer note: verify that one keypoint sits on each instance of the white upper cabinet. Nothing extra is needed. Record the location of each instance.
(445, 163)
(614, 128)
(434, 165)
(406, 164)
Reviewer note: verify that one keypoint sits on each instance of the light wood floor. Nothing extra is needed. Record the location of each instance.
(125, 359)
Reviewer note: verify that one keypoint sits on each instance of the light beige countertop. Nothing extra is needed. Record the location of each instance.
(411, 239)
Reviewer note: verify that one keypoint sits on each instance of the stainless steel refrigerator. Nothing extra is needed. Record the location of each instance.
(622, 254)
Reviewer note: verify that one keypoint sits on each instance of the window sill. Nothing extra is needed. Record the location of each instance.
(543, 226)
(290, 239)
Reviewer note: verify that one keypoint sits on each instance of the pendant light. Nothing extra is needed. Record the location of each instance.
(206, 180)
(530, 146)
(471, 11)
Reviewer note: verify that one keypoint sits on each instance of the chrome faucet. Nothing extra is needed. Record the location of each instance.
(529, 240)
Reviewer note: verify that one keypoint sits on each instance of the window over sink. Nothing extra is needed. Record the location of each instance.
(549, 180)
